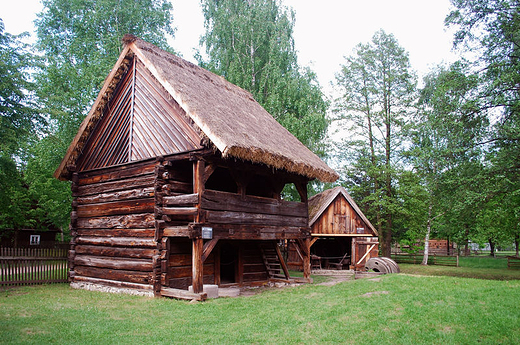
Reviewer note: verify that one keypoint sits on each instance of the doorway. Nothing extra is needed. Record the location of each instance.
(228, 263)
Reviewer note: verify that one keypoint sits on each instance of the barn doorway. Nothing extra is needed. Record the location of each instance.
(333, 252)
(228, 263)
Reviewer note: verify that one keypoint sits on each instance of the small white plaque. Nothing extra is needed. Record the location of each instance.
(207, 233)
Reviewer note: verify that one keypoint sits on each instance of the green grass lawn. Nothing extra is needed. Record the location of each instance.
(480, 267)
(391, 309)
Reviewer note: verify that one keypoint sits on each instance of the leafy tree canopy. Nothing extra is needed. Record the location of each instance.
(19, 117)
(250, 43)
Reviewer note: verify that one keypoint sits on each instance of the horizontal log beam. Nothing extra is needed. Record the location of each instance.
(176, 231)
(117, 172)
(113, 274)
(251, 232)
(136, 253)
(183, 294)
(117, 232)
(229, 217)
(105, 187)
(177, 187)
(181, 200)
(116, 208)
(179, 211)
(137, 193)
(224, 201)
(138, 221)
(114, 263)
(117, 241)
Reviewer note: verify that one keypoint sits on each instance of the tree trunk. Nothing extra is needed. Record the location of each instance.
(466, 239)
(374, 176)
(491, 247)
(517, 242)
(388, 173)
(427, 237)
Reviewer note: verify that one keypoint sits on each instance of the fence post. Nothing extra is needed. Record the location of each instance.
(457, 260)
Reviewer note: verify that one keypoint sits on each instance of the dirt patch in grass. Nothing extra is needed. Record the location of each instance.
(370, 294)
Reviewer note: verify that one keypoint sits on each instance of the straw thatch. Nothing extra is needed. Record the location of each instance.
(227, 115)
(320, 202)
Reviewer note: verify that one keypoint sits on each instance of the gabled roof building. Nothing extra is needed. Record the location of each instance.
(341, 235)
(177, 177)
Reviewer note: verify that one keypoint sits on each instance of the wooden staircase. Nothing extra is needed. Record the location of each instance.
(273, 261)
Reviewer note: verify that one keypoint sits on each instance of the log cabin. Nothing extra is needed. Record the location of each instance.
(177, 178)
(341, 235)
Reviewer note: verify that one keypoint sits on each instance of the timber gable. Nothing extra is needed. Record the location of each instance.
(177, 178)
(141, 120)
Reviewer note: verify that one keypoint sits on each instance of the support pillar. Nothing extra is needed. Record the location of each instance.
(197, 273)
(198, 243)
(307, 258)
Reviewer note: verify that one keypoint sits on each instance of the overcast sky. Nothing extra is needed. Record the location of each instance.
(325, 30)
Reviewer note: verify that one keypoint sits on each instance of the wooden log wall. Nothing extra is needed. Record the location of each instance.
(113, 226)
(178, 266)
(175, 208)
(238, 210)
(175, 201)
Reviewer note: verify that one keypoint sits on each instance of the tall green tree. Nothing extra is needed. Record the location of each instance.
(19, 120)
(19, 116)
(445, 150)
(490, 30)
(80, 41)
(250, 43)
(377, 89)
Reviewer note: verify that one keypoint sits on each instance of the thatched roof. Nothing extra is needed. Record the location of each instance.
(227, 115)
(320, 202)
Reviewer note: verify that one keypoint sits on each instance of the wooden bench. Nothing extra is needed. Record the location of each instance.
(315, 262)
(513, 262)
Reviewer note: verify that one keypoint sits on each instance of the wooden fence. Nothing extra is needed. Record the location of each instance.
(442, 260)
(513, 262)
(26, 266)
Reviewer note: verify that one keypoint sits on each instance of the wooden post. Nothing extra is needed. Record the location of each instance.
(161, 268)
(198, 184)
(197, 274)
(198, 243)
(353, 254)
(307, 259)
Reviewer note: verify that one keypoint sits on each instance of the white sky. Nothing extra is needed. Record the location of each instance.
(325, 30)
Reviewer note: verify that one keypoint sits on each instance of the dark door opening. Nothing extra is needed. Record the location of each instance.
(228, 263)
(332, 252)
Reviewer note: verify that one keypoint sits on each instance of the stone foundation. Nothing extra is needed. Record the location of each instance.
(111, 289)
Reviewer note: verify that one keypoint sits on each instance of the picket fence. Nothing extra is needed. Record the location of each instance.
(27, 266)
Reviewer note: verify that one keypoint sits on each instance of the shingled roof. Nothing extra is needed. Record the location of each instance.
(237, 125)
